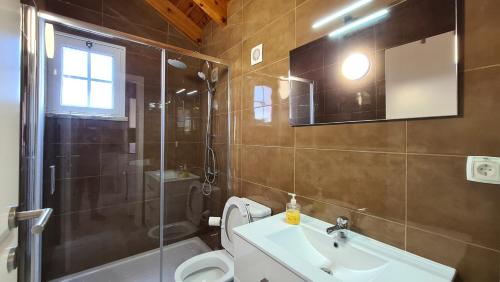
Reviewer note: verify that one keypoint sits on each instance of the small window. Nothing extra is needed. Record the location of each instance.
(86, 77)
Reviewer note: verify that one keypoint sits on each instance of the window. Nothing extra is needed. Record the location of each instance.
(86, 77)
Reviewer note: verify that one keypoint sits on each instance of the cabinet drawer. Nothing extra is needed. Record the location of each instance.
(252, 265)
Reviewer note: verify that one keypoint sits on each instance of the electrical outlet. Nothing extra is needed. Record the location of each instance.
(483, 169)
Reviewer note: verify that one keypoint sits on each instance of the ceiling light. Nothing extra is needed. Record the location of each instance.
(355, 66)
(192, 92)
(180, 91)
(358, 23)
(340, 13)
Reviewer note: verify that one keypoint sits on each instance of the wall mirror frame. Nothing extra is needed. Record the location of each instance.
(385, 61)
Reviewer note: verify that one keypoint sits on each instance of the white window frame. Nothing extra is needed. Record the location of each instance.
(54, 75)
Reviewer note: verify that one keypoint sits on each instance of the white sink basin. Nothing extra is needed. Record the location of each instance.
(310, 253)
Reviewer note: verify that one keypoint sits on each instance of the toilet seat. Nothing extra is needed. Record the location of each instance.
(220, 260)
(235, 214)
(194, 203)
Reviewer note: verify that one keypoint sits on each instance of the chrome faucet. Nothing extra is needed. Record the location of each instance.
(342, 224)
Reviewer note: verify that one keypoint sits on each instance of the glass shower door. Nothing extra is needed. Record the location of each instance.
(102, 157)
(196, 158)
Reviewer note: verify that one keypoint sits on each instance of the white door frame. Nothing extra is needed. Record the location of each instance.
(10, 81)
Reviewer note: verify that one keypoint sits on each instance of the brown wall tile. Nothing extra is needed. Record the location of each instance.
(371, 181)
(265, 87)
(376, 136)
(267, 125)
(259, 13)
(386, 231)
(277, 40)
(440, 199)
(236, 89)
(473, 264)
(482, 35)
(273, 198)
(269, 166)
(225, 37)
(467, 135)
(233, 55)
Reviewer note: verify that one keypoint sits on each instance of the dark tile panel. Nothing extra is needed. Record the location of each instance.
(74, 11)
(94, 5)
(78, 241)
(124, 25)
(135, 11)
(413, 20)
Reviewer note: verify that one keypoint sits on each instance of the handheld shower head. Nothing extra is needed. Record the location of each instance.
(202, 75)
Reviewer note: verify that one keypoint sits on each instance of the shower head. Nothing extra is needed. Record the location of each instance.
(177, 64)
(206, 71)
(202, 75)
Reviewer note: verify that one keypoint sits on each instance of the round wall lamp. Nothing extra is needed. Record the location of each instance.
(355, 66)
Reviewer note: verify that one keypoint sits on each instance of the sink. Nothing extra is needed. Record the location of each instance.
(348, 262)
(308, 251)
(171, 176)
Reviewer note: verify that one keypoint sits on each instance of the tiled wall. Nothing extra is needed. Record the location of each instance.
(400, 182)
(131, 16)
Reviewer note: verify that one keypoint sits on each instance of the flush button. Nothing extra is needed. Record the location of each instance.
(483, 169)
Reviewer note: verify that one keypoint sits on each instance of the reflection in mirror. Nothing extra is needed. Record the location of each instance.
(262, 103)
(383, 63)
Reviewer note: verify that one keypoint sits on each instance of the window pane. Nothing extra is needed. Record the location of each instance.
(74, 92)
(102, 67)
(101, 95)
(74, 62)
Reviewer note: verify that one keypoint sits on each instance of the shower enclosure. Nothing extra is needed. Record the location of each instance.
(132, 139)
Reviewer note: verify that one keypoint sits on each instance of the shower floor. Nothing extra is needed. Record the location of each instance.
(142, 267)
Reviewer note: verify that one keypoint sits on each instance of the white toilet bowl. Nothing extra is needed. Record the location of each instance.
(218, 266)
(212, 266)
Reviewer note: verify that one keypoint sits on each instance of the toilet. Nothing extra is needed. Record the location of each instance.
(194, 210)
(218, 266)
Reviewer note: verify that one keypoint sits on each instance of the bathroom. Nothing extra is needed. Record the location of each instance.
(210, 113)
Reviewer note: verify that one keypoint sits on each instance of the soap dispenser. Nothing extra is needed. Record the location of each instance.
(292, 215)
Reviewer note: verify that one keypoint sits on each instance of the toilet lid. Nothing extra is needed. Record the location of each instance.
(235, 214)
(194, 205)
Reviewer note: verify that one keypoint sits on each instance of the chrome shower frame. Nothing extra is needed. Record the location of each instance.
(33, 82)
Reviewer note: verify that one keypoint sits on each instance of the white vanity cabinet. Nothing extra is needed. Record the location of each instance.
(252, 265)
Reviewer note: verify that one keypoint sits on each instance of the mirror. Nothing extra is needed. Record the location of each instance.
(397, 62)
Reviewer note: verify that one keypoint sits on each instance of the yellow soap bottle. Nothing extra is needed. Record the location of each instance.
(292, 215)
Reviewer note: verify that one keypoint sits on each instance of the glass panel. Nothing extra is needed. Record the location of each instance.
(101, 95)
(101, 67)
(75, 62)
(74, 92)
(106, 207)
(196, 153)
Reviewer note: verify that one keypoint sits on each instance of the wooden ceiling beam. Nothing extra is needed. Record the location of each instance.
(215, 9)
(175, 16)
